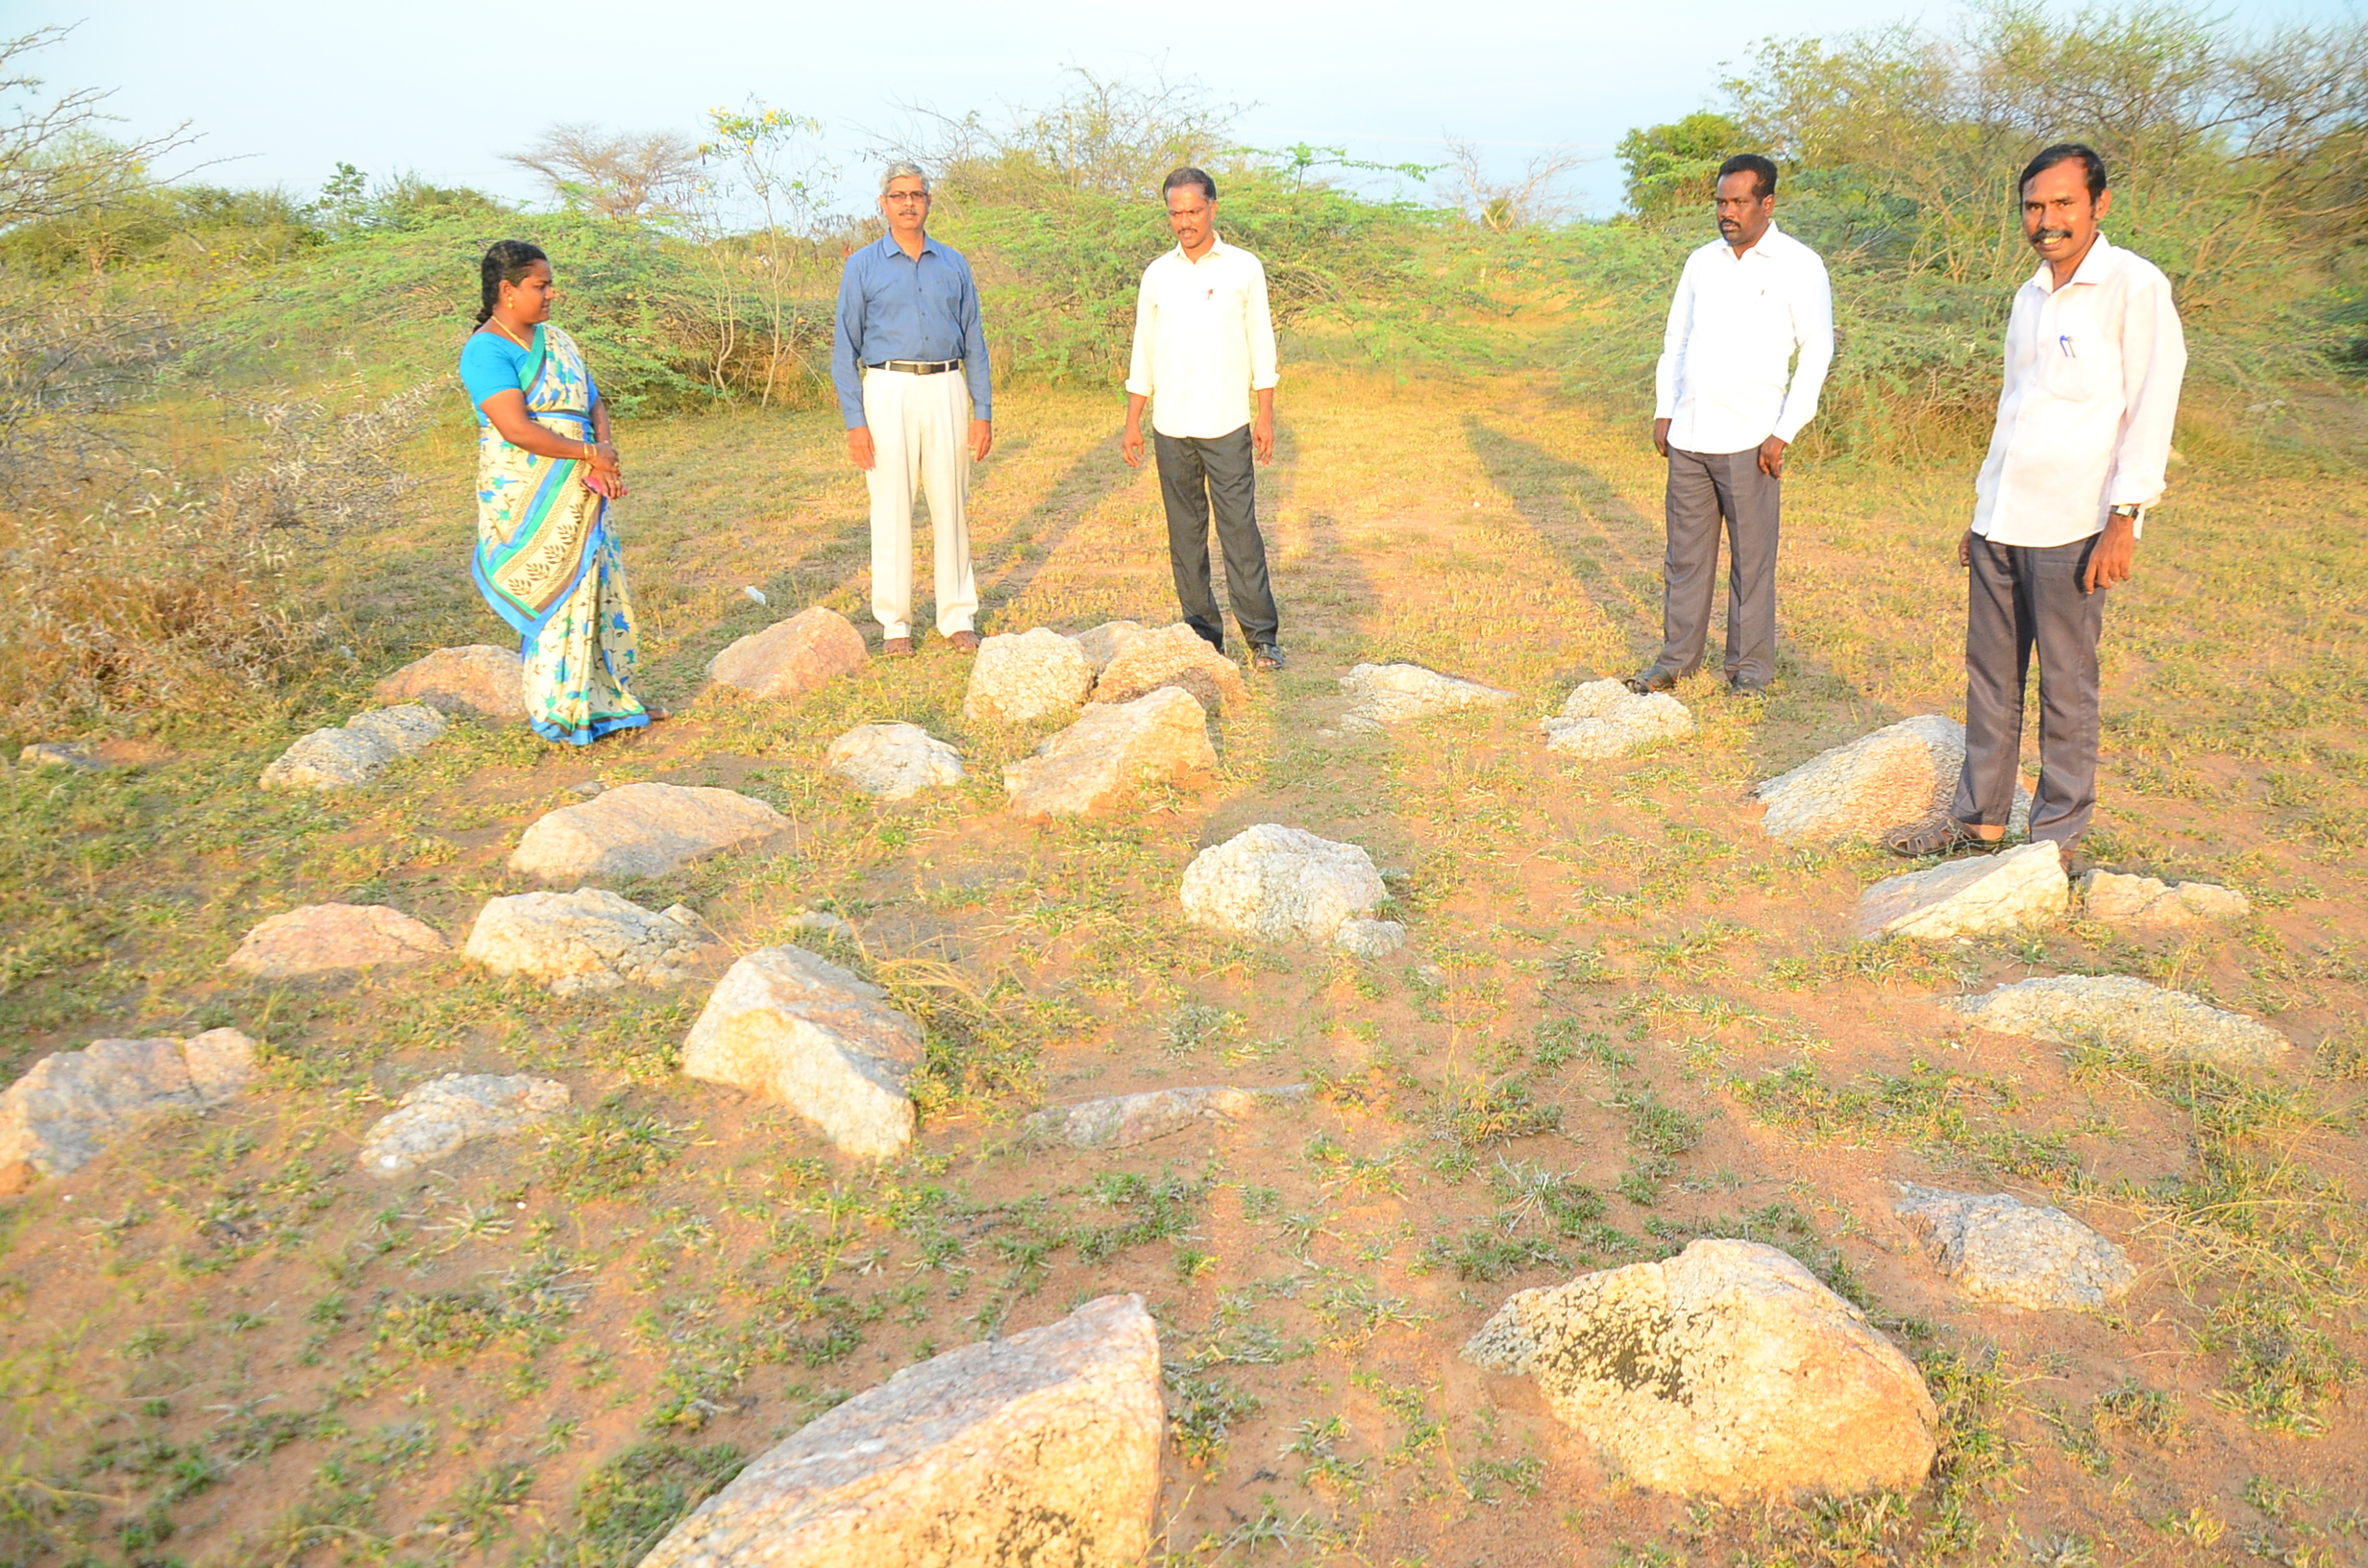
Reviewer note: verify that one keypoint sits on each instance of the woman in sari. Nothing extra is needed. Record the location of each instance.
(547, 559)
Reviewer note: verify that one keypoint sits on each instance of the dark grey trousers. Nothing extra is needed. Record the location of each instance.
(1198, 475)
(1706, 488)
(2018, 599)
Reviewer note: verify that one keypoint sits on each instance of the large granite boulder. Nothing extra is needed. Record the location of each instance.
(1101, 643)
(2120, 1011)
(1281, 884)
(354, 756)
(1898, 776)
(1391, 694)
(590, 940)
(1026, 677)
(1603, 719)
(2017, 889)
(1038, 1451)
(894, 762)
(811, 648)
(2144, 904)
(1110, 753)
(1175, 657)
(318, 939)
(436, 1119)
(1120, 1121)
(479, 678)
(1727, 1370)
(71, 1105)
(641, 830)
(789, 1027)
(1998, 1248)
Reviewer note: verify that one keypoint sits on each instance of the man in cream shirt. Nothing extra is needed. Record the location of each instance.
(2093, 361)
(1724, 415)
(1203, 346)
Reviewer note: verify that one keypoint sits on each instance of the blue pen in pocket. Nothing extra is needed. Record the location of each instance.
(2064, 343)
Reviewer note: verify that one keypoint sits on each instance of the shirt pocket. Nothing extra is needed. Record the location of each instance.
(2076, 361)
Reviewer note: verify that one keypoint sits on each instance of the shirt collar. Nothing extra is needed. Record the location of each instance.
(2091, 269)
(1215, 245)
(1757, 246)
(888, 246)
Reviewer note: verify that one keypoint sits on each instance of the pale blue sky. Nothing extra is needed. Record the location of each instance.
(283, 89)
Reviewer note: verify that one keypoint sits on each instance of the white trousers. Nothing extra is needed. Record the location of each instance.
(921, 428)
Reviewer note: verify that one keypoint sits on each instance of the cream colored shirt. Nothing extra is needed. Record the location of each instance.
(2092, 374)
(1203, 340)
(1735, 325)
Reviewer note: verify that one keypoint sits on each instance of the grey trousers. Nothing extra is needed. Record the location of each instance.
(1703, 489)
(1198, 476)
(2021, 598)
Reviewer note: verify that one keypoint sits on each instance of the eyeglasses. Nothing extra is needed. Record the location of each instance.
(905, 196)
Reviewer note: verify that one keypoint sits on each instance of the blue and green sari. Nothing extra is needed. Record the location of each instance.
(547, 559)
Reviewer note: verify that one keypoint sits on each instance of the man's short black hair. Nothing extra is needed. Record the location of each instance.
(1189, 176)
(2064, 152)
(1763, 171)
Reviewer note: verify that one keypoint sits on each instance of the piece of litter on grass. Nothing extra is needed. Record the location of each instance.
(756, 593)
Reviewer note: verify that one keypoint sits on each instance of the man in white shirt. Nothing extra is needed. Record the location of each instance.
(1723, 416)
(1203, 346)
(2094, 361)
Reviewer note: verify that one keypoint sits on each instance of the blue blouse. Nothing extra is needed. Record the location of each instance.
(489, 363)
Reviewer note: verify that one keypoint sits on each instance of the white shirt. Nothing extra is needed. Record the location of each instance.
(1203, 340)
(2091, 389)
(1734, 327)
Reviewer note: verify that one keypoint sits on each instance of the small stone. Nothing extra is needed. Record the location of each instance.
(480, 678)
(1603, 719)
(2120, 1011)
(1041, 1448)
(1901, 775)
(1280, 884)
(1393, 693)
(1122, 1120)
(641, 830)
(810, 649)
(589, 787)
(1101, 643)
(1362, 937)
(1111, 752)
(1727, 1370)
(315, 939)
(60, 754)
(823, 924)
(894, 762)
(589, 941)
(2144, 901)
(354, 756)
(1027, 677)
(439, 1117)
(1999, 1248)
(1175, 657)
(71, 1105)
(790, 1027)
(2014, 890)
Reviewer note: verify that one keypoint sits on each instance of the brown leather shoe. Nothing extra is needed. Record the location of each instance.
(1943, 836)
(895, 647)
(964, 642)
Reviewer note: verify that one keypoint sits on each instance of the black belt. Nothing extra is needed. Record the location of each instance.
(917, 367)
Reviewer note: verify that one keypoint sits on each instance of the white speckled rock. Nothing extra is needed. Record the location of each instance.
(1604, 719)
(60, 754)
(1369, 939)
(790, 657)
(71, 1105)
(355, 755)
(1727, 1370)
(640, 830)
(1038, 1451)
(2143, 902)
(1280, 884)
(436, 1119)
(2118, 1010)
(1391, 694)
(480, 678)
(1101, 643)
(1175, 657)
(790, 1027)
(589, 941)
(2014, 889)
(1110, 753)
(1026, 677)
(317, 938)
(894, 762)
(1897, 777)
(1998, 1248)
(1120, 1121)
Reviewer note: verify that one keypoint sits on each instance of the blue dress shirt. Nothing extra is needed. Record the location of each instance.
(897, 306)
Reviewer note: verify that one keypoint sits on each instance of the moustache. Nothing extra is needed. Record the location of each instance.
(2048, 237)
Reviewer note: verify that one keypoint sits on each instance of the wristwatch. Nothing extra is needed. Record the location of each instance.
(2132, 513)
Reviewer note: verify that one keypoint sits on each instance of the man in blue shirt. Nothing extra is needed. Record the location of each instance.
(908, 321)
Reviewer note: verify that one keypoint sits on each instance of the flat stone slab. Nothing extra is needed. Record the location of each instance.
(641, 830)
(1900, 775)
(1111, 753)
(1120, 1121)
(2122, 1011)
(1026, 677)
(790, 1027)
(2145, 903)
(479, 678)
(894, 762)
(1101, 643)
(2014, 890)
(354, 755)
(1281, 884)
(1394, 693)
(1727, 1370)
(1037, 1451)
(1998, 1248)
(791, 658)
(1603, 719)
(591, 940)
(1177, 656)
(1361, 937)
(60, 754)
(320, 939)
(444, 1114)
(71, 1105)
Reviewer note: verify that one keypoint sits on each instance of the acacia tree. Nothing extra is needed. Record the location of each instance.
(614, 174)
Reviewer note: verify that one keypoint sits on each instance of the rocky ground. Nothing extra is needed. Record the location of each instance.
(1533, 1125)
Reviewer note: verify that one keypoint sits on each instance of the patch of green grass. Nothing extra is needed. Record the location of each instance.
(628, 1504)
(608, 1151)
(1202, 1409)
